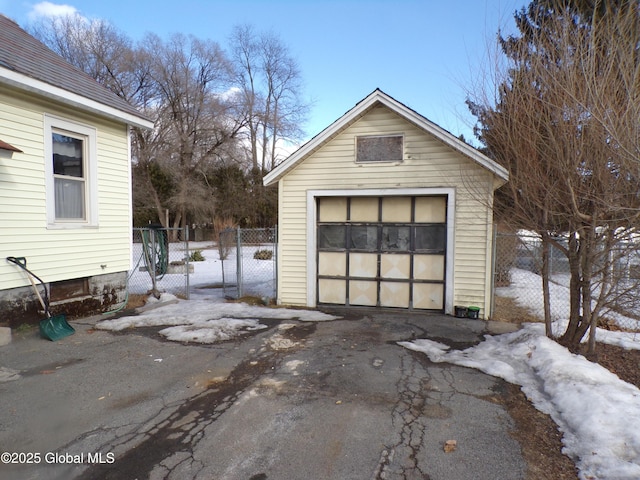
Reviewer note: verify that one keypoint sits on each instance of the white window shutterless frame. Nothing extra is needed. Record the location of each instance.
(70, 174)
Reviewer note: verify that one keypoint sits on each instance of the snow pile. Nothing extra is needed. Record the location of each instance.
(205, 321)
(598, 413)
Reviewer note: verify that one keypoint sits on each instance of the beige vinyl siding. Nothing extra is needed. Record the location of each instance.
(59, 254)
(428, 163)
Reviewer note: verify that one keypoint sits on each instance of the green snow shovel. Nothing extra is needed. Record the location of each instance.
(53, 327)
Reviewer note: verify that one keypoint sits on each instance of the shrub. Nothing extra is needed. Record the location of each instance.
(196, 256)
(263, 255)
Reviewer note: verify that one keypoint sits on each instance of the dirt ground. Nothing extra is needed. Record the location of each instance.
(537, 434)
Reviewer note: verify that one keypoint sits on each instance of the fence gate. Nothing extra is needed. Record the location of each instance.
(249, 262)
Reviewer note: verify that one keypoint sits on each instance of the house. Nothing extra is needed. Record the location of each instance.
(384, 208)
(65, 188)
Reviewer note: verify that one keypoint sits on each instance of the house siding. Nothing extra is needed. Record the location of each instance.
(428, 163)
(59, 254)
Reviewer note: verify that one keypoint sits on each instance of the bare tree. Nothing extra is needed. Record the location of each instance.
(561, 123)
(190, 89)
(193, 121)
(100, 50)
(270, 87)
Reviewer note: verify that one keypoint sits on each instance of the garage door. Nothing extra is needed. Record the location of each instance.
(382, 251)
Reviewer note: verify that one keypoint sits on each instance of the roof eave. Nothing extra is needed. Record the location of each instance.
(27, 83)
(358, 110)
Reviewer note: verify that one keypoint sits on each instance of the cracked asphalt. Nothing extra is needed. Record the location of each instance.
(298, 400)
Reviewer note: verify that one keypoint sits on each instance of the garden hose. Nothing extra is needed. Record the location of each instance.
(156, 252)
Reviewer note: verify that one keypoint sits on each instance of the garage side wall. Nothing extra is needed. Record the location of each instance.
(427, 163)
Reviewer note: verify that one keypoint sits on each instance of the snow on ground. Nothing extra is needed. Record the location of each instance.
(598, 413)
(526, 290)
(206, 319)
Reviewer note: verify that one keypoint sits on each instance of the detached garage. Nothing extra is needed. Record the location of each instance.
(385, 209)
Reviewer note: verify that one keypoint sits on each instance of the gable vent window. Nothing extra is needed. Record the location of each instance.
(379, 148)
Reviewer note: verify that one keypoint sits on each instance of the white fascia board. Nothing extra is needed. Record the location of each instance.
(403, 111)
(274, 175)
(444, 136)
(24, 82)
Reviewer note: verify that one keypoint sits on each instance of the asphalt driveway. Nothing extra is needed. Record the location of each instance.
(298, 400)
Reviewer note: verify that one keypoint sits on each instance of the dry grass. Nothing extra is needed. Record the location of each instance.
(507, 310)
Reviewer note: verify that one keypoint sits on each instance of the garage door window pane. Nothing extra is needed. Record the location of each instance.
(364, 238)
(331, 236)
(432, 237)
(395, 238)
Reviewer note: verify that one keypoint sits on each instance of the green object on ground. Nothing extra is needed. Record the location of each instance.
(53, 327)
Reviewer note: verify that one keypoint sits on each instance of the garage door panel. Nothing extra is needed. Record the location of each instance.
(431, 210)
(363, 293)
(331, 236)
(396, 209)
(428, 267)
(363, 237)
(363, 209)
(332, 264)
(333, 209)
(395, 266)
(332, 291)
(363, 265)
(396, 238)
(428, 296)
(394, 294)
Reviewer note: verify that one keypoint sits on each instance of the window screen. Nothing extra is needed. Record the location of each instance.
(386, 148)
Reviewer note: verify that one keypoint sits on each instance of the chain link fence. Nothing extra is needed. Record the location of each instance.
(517, 292)
(160, 262)
(248, 259)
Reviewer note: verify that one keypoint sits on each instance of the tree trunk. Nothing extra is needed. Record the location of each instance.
(568, 338)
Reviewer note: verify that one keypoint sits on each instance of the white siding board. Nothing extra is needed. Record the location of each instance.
(65, 253)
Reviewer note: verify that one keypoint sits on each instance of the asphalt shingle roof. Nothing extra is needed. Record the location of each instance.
(24, 54)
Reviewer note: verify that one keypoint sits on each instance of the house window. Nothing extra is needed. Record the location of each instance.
(70, 161)
(379, 148)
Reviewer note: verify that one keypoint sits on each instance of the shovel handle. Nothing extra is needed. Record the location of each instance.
(22, 263)
(33, 284)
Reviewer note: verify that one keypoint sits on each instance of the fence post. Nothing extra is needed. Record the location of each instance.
(492, 303)
(275, 264)
(239, 276)
(186, 258)
(154, 279)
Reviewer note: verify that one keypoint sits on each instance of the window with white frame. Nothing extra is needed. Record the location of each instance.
(70, 166)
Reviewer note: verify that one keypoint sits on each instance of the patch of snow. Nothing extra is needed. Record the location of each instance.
(598, 413)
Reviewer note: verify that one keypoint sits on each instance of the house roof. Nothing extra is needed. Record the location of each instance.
(28, 64)
(378, 97)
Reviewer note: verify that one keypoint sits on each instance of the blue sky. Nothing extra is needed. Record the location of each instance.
(426, 54)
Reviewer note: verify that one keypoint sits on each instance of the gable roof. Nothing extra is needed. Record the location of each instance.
(378, 97)
(28, 64)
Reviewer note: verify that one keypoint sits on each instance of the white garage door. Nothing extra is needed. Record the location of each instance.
(382, 251)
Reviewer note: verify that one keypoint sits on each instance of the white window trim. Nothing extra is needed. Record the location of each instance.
(436, 191)
(52, 123)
